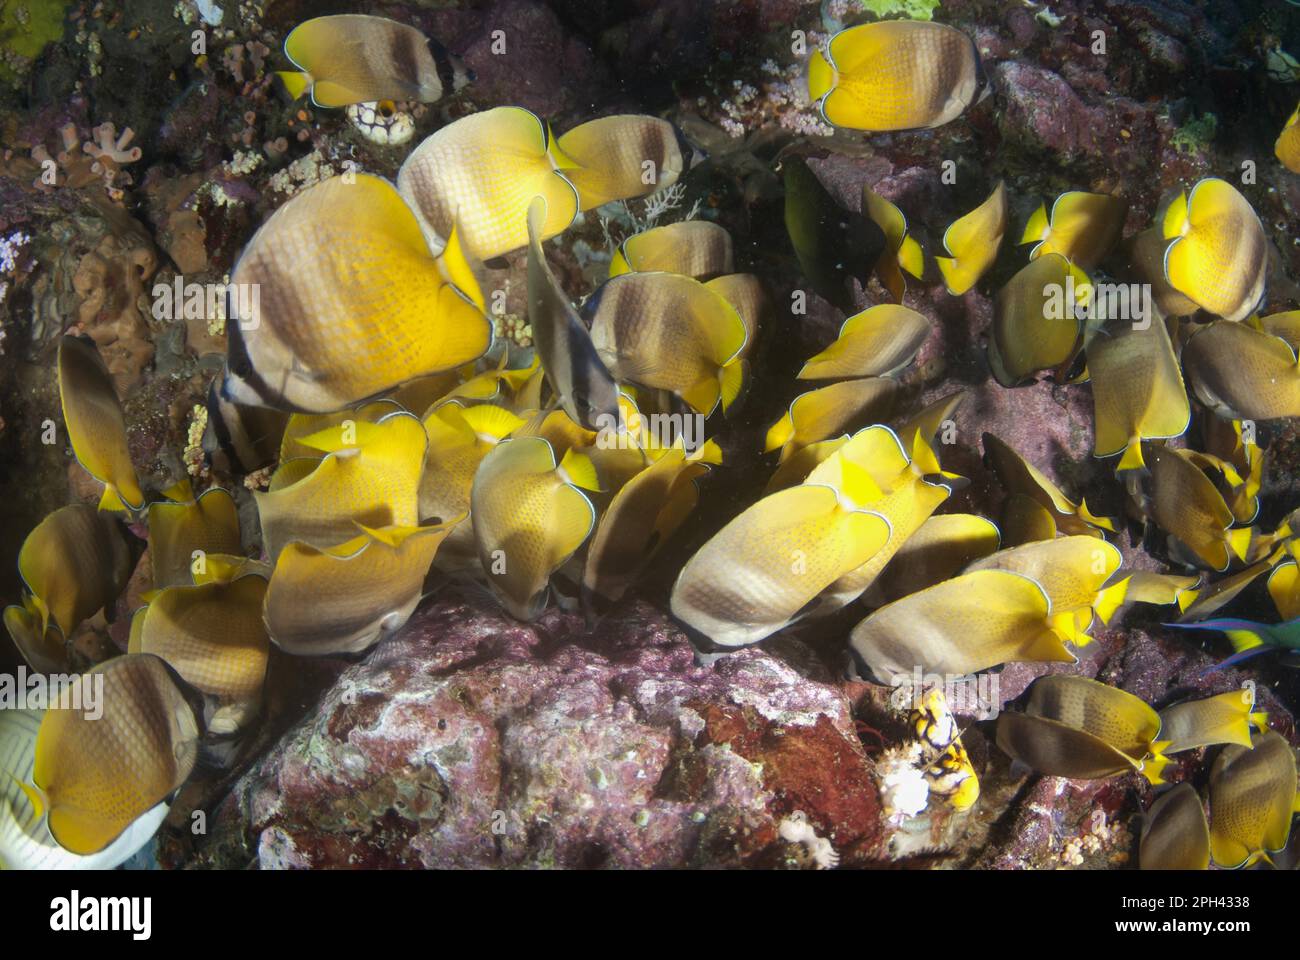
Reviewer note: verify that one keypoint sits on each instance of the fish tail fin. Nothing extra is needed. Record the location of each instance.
(911, 257)
(1088, 517)
(1111, 599)
(731, 381)
(821, 76)
(111, 501)
(295, 82)
(1036, 228)
(1239, 541)
(1153, 767)
(779, 434)
(35, 796)
(954, 278)
(1132, 459)
(704, 396)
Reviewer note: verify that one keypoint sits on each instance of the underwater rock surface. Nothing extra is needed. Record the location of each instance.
(472, 741)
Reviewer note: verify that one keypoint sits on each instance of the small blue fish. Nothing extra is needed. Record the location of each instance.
(1249, 638)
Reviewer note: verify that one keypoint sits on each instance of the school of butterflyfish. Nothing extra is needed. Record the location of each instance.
(406, 442)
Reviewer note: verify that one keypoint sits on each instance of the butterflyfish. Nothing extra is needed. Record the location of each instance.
(906, 486)
(459, 439)
(212, 634)
(1037, 320)
(345, 598)
(1242, 373)
(1287, 148)
(530, 515)
(670, 332)
(1252, 800)
(1019, 476)
(901, 252)
(969, 623)
(1137, 390)
(25, 843)
(94, 776)
(1082, 227)
(1219, 256)
(76, 562)
(827, 411)
(352, 58)
(573, 369)
(182, 534)
(1072, 570)
(96, 424)
(880, 340)
(1185, 504)
(939, 550)
(895, 75)
(972, 242)
(760, 571)
(693, 248)
(1224, 718)
(331, 326)
(370, 476)
(622, 157)
(1082, 729)
(641, 517)
(1175, 833)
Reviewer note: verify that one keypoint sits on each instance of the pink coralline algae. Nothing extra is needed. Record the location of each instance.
(471, 740)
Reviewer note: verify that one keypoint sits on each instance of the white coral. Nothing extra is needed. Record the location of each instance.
(796, 829)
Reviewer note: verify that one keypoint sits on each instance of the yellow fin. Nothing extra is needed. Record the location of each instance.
(580, 470)
(779, 433)
(456, 268)
(295, 82)
(1132, 459)
(1110, 599)
(33, 794)
(911, 257)
(328, 93)
(857, 483)
(1176, 217)
(110, 501)
(1154, 765)
(1037, 227)
(1239, 541)
(486, 419)
(731, 381)
(821, 75)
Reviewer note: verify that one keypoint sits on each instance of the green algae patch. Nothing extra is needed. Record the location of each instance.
(27, 27)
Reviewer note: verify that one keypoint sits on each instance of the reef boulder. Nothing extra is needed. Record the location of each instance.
(473, 741)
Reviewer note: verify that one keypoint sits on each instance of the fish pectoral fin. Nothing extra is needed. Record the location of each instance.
(111, 501)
